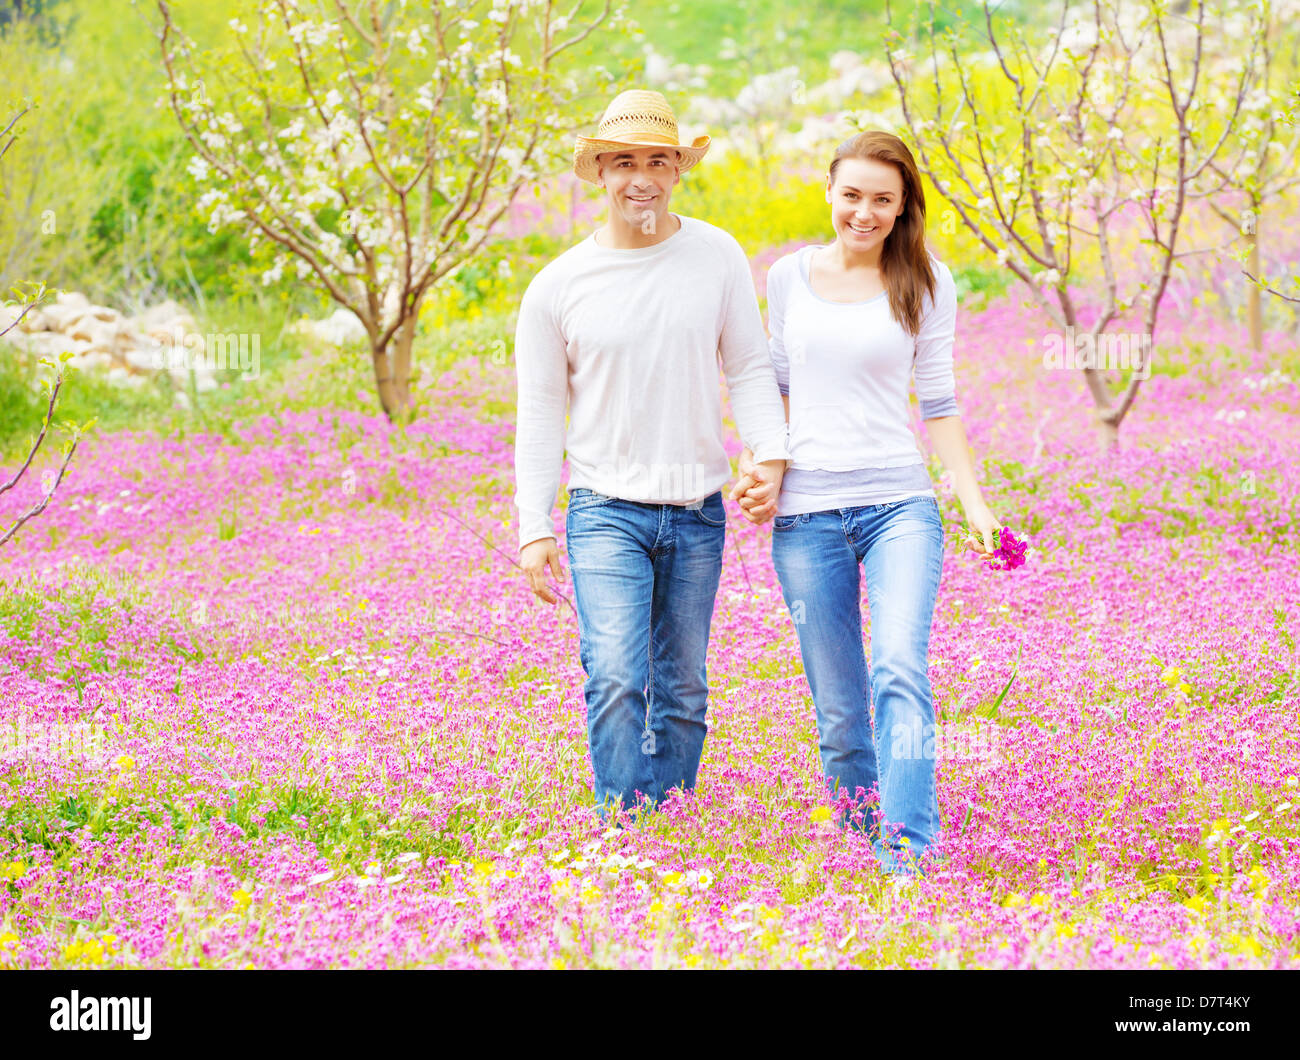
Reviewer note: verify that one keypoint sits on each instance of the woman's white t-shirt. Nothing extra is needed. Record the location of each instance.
(845, 367)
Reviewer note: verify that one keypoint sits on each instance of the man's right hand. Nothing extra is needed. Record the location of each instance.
(758, 488)
(535, 557)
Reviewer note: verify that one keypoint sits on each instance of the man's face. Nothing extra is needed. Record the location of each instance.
(638, 183)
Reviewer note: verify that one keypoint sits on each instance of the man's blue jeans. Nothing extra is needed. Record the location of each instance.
(645, 577)
(817, 557)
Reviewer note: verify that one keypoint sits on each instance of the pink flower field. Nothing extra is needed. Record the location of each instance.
(281, 699)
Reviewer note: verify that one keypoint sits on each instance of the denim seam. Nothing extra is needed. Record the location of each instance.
(650, 678)
(707, 521)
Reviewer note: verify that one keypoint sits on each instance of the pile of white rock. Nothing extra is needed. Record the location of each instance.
(341, 328)
(127, 350)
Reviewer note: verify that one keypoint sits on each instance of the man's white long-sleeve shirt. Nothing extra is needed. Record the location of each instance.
(632, 341)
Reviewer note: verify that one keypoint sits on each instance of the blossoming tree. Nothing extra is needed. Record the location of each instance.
(1267, 169)
(1268, 174)
(374, 144)
(1078, 158)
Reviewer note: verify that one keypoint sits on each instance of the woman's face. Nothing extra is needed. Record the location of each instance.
(866, 199)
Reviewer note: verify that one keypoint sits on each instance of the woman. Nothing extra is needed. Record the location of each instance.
(849, 323)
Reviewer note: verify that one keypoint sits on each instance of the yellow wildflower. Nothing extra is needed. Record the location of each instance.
(1248, 945)
(91, 950)
(820, 814)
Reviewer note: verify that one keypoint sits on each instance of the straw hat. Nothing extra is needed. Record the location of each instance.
(635, 119)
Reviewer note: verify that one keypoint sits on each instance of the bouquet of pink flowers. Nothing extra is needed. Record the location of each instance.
(1009, 550)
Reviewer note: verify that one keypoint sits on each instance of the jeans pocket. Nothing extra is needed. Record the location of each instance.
(787, 522)
(930, 504)
(921, 500)
(711, 511)
(581, 499)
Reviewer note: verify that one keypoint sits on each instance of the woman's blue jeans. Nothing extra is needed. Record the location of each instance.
(644, 577)
(817, 558)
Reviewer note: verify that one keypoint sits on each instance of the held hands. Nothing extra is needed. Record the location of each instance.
(758, 487)
(535, 557)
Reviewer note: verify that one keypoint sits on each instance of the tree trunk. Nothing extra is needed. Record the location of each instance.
(401, 359)
(393, 371)
(384, 382)
(1107, 434)
(1254, 296)
(1104, 409)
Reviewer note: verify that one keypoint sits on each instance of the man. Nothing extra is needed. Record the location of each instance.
(629, 327)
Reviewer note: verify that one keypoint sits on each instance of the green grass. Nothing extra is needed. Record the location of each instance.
(295, 373)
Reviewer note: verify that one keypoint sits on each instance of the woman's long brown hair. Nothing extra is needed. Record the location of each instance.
(904, 261)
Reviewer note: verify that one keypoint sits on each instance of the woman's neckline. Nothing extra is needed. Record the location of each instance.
(805, 273)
